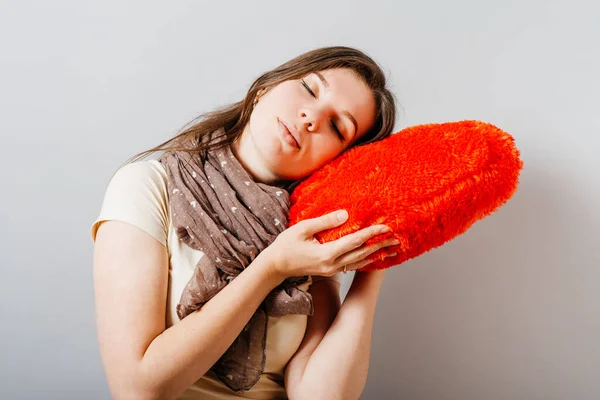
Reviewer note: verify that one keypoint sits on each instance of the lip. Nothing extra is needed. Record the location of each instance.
(290, 132)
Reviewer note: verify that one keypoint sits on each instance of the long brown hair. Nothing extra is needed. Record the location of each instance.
(234, 117)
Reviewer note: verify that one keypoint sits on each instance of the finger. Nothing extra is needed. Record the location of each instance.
(324, 222)
(356, 265)
(354, 240)
(360, 264)
(363, 252)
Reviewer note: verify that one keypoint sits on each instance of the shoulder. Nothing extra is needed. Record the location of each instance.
(147, 177)
(141, 182)
(137, 194)
(141, 172)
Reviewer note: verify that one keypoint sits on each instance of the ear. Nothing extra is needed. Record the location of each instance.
(259, 93)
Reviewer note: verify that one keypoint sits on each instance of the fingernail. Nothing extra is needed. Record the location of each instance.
(385, 229)
(342, 215)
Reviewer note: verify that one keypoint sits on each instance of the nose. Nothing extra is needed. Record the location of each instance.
(311, 118)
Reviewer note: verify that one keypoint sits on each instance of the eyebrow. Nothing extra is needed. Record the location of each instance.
(345, 112)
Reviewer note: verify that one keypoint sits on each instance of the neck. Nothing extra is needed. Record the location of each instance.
(244, 151)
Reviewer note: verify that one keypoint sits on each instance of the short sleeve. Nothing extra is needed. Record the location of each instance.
(137, 194)
(336, 278)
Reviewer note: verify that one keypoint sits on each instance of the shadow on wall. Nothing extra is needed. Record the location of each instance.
(507, 310)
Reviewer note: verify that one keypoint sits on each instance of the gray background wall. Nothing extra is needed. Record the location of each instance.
(509, 310)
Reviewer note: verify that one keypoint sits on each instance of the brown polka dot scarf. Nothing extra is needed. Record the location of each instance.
(217, 208)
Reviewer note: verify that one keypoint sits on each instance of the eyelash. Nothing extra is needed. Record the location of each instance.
(335, 128)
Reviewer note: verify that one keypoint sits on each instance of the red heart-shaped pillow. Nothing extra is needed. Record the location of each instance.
(428, 183)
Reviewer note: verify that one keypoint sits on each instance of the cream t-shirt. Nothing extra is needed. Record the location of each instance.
(137, 194)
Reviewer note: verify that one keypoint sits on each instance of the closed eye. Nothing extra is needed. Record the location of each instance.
(333, 125)
(308, 88)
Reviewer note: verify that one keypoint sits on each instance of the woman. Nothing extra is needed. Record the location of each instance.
(180, 297)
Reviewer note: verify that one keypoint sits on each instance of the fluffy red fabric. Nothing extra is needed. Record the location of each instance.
(429, 183)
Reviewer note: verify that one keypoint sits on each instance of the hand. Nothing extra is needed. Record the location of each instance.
(296, 252)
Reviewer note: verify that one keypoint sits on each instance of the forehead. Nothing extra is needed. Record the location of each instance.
(349, 92)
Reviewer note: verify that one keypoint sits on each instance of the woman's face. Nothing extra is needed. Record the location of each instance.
(325, 112)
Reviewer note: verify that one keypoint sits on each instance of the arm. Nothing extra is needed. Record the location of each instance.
(326, 301)
(142, 359)
(333, 363)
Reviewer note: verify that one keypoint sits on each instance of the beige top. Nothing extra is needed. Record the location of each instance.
(137, 194)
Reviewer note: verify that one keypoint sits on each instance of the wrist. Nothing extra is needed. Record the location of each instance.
(367, 281)
(372, 277)
(267, 264)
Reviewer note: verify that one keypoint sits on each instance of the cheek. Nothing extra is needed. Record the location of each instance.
(285, 99)
(261, 117)
(281, 102)
(326, 150)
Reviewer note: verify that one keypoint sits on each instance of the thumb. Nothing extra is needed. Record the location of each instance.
(326, 221)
